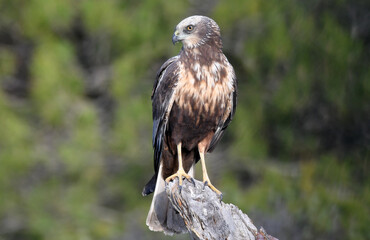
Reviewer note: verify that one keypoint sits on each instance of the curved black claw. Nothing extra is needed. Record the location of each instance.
(204, 185)
(219, 194)
(192, 180)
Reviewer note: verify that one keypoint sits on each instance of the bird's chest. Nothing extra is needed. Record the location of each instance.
(202, 96)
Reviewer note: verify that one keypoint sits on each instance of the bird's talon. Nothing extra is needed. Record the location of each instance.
(204, 185)
(221, 196)
(179, 174)
(210, 185)
(192, 180)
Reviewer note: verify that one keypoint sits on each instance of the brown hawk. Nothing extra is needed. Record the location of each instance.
(193, 100)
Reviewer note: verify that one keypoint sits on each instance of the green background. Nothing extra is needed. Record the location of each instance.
(75, 115)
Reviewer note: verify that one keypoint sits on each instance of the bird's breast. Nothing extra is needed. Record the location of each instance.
(204, 90)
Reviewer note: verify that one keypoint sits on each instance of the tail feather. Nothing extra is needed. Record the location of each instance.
(162, 217)
(150, 186)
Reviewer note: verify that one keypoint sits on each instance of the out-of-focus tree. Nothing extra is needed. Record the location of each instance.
(75, 114)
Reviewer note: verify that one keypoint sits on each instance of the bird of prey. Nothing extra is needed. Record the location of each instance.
(193, 101)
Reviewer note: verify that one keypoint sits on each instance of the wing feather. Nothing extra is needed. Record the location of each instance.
(162, 101)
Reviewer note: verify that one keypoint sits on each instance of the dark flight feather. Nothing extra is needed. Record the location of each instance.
(161, 104)
(165, 78)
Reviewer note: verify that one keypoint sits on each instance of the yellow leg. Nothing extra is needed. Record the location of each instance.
(180, 172)
(206, 180)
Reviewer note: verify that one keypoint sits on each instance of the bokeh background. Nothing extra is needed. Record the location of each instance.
(75, 115)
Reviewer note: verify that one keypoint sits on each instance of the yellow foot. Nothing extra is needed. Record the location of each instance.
(210, 185)
(180, 174)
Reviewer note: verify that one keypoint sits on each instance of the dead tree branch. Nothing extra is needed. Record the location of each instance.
(206, 217)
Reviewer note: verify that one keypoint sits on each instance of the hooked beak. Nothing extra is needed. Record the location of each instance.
(175, 38)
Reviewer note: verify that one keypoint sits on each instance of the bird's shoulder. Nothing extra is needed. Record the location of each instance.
(166, 74)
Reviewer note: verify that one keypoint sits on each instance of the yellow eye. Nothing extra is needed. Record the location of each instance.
(189, 28)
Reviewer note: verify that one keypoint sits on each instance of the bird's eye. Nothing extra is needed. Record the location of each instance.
(189, 28)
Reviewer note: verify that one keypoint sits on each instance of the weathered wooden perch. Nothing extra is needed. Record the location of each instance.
(207, 217)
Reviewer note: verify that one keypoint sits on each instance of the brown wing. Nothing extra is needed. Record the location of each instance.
(162, 100)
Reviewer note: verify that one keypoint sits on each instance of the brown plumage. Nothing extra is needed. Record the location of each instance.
(193, 100)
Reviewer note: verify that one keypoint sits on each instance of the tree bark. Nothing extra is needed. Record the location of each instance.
(207, 217)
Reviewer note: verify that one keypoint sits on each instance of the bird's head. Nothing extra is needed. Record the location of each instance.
(195, 31)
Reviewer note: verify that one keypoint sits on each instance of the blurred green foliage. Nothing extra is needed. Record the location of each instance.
(75, 113)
